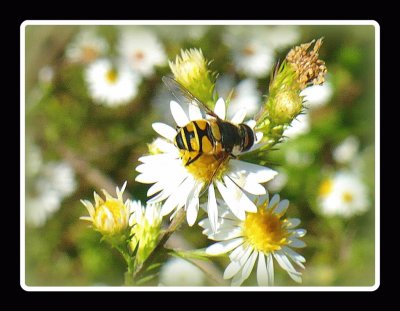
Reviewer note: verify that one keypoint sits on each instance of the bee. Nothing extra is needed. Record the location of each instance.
(212, 136)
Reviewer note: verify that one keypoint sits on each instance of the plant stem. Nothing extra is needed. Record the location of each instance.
(164, 236)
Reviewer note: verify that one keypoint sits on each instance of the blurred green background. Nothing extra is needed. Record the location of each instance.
(75, 146)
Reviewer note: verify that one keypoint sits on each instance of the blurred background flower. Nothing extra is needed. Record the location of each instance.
(92, 93)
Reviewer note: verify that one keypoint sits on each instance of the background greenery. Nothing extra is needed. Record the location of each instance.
(103, 145)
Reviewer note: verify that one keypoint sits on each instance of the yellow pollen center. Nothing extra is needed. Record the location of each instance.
(265, 231)
(111, 76)
(325, 188)
(206, 167)
(347, 197)
(103, 217)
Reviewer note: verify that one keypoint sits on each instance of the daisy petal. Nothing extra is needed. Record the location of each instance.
(239, 116)
(179, 114)
(192, 205)
(270, 269)
(239, 197)
(300, 232)
(195, 113)
(164, 130)
(248, 266)
(296, 243)
(262, 274)
(256, 172)
(230, 201)
(175, 199)
(293, 222)
(232, 269)
(220, 108)
(212, 208)
(274, 201)
(223, 247)
(282, 207)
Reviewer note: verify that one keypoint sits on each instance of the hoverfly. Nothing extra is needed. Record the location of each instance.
(213, 136)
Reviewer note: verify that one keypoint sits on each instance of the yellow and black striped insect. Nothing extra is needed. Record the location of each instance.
(213, 136)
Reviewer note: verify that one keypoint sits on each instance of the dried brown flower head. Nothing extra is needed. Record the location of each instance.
(308, 67)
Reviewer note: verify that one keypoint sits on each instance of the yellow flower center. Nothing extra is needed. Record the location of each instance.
(347, 197)
(206, 167)
(325, 188)
(265, 231)
(111, 216)
(111, 76)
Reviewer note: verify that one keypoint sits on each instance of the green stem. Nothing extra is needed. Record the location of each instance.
(128, 277)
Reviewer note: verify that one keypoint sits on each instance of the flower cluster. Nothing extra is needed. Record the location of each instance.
(114, 81)
(199, 164)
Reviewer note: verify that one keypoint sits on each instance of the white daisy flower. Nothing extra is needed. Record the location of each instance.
(86, 47)
(251, 53)
(111, 85)
(39, 207)
(179, 272)
(53, 182)
(346, 151)
(343, 194)
(282, 36)
(58, 177)
(181, 185)
(299, 126)
(142, 50)
(316, 96)
(245, 94)
(277, 184)
(261, 236)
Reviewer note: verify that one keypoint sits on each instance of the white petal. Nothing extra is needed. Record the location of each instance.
(262, 275)
(212, 208)
(296, 257)
(251, 123)
(282, 207)
(237, 280)
(274, 201)
(239, 116)
(156, 158)
(248, 266)
(220, 108)
(270, 269)
(300, 232)
(223, 235)
(179, 114)
(157, 187)
(146, 178)
(293, 222)
(247, 184)
(283, 262)
(296, 243)
(238, 252)
(195, 113)
(239, 197)
(164, 130)
(230, 201)
(256, 172)
(223, 247)
(192, 204)
(232, 269)
(176, 198)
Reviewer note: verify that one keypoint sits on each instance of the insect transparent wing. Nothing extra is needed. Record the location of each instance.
(184, 96)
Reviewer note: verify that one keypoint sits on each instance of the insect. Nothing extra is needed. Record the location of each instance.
(213, 136)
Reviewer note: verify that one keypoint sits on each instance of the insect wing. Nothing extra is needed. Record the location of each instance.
(184, 96)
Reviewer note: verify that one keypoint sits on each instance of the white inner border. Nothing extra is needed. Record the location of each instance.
(200, 22)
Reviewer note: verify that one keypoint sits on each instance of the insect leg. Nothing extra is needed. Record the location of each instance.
(190, 161)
